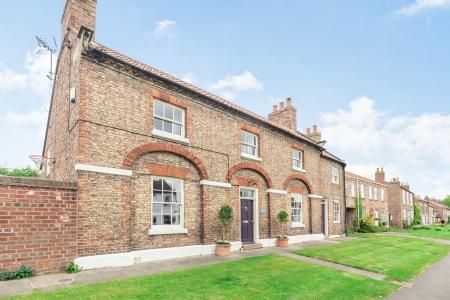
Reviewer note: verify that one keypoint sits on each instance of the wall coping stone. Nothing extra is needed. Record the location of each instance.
(36, 182)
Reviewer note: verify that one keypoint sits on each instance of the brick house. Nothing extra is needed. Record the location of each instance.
(374, 198)
(440, 211)
(400, 200)
(154, 158)
(426, 210)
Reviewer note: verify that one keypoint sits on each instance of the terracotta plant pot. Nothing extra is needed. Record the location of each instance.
(282, 242)
(223, 249)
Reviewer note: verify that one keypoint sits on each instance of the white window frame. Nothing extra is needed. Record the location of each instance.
(382, 194)
(167, 229)
(256, 146)
(336, 211)
(170, 135)
(353, 188)
(375, 193)
(301, 161)
(362, 190)
(334, 175)
(370, 192)
(302, 220)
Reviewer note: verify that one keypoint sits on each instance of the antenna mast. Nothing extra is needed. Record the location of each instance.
(44, 46)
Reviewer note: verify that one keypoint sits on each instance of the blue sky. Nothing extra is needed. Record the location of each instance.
(373, 74)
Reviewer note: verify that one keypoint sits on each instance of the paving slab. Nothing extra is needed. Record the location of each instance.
(373, 275)
(433, 284)
(15, 287)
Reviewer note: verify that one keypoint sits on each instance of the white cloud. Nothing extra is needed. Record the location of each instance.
(409, 146)
(237, 83)
(188, 77)
(422, 5)
(36, 66)
(165, 27)
(24, 125)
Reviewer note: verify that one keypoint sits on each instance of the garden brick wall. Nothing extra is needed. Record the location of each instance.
(37, 224)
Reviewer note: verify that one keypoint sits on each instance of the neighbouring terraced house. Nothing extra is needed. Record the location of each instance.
(427, 215)
(155, 157)
(441, 212)
(373, 195)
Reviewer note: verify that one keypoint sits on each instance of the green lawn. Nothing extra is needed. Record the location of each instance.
(433, 232)
(265, 277)
(399, 258)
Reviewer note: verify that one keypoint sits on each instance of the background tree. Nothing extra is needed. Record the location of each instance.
(19, 172)
(358, 208)
(446, 201)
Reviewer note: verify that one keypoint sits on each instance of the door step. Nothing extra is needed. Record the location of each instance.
(252, 246)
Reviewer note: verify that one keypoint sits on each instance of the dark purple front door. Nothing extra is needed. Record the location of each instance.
(246, 221)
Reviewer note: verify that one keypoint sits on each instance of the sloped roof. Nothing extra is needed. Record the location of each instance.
(156, 72)
(353, 175)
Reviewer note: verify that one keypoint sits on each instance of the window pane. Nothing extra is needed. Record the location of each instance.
(156, 208)
(176, 129)
(156, 220)
(166, 219)
(167, 185)
(176, 220)
(176, 185)
(167, 197)
(178, 115)
(157, 123)
(168, 112)
(158, 109)
(177, 197)
(167, 126)
(157, 196)
(157, 184)
(242, 136)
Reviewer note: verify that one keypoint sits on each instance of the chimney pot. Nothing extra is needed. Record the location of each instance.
(315, 131)
(275, 108)
(308, 131)
(281, 105)
(288, 102)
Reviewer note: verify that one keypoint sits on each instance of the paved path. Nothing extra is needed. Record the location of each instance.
(433, 284)
(373, 275)
(62, 280)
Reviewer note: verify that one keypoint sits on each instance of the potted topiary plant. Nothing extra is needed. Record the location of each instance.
(225, 217)
(282, 239)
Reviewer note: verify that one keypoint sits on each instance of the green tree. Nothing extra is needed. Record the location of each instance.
(225, 217)
(358, 208)
(417, 218)
(19, 172)
(446, 201)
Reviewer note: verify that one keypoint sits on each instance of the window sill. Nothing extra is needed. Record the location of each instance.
(297, 225)
(336, 222)
(166, 230)
(170, 136)
(299, 169)
(245, 155)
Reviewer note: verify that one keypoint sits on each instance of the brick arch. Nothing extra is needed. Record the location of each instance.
(160, 147)
(249, 166)
(298, 177)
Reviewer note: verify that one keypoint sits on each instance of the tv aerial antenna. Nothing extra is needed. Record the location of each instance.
(44, 47)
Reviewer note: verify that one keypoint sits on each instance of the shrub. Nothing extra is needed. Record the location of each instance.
(225, 217)
(73, 268)
(22, 272)
(367, 225)
(416, 220)
(282, 217)
(438, 229)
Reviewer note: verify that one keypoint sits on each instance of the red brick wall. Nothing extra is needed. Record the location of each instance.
(37, 224)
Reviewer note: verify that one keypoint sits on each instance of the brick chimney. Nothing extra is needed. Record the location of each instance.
(315, 134)
(285, 115)
(380, 176)
(78, 13)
